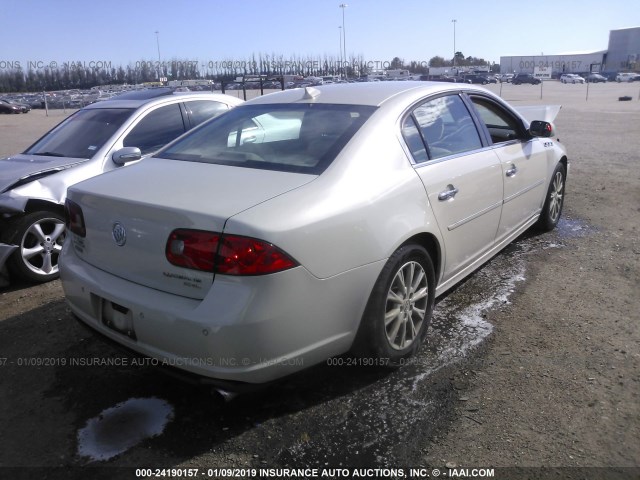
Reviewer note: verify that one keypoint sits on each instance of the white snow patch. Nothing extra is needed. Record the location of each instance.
(471, 328)
(119, 428)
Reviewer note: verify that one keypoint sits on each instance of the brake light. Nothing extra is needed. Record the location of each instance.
(74, 219)
(248, 256)
(225, 254)
(192, 249)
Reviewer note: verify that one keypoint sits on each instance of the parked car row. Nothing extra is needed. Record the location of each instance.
(573, 78)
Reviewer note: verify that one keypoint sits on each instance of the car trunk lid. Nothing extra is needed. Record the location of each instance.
(146, 202)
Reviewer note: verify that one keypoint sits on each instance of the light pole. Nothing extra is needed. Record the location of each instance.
(454, 41)
(158, 44)
(344, 38)
(340, 31)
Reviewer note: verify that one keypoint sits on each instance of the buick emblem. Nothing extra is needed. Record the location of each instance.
(119, 234)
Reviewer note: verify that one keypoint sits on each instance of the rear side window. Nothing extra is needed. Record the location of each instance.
(446, 127)
(414, 141)
(301, 138)
(156, 129)
(202, 110)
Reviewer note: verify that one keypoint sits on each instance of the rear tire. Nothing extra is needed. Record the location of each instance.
(400, 307)
(39, 237)
(554, 201)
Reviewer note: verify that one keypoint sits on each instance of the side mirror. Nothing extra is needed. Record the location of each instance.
(125, 155)
(538, 128)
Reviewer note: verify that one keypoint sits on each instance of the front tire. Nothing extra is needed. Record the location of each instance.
(554, 201)
(400, 307)
(39, 237)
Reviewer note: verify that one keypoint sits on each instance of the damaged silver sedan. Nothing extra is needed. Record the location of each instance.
(98, 138)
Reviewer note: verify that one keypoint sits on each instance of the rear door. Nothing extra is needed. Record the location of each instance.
(463, 179)
(523, 163)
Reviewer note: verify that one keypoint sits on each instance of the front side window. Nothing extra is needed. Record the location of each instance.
(301, 138)
(156, 129)
(446, 126)
(502, 126)
(82, 134)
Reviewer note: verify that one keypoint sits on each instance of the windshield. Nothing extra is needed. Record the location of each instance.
(302, 138)
(82, 134)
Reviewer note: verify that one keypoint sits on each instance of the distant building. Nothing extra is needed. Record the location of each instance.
(575, 62)
(623, 54)
(624, 50)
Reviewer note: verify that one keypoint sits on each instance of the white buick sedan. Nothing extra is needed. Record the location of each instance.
(306, 224)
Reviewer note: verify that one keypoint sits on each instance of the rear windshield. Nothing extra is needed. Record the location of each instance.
(82, 134)
(302, 138)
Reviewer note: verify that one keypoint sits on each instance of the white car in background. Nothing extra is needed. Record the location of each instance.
(627, 77)
(98, 138)
(307, 223)
(571, 78)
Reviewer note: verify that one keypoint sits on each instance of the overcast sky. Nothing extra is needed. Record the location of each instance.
(123, 32)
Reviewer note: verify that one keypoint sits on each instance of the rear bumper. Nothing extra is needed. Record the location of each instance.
(251, 329)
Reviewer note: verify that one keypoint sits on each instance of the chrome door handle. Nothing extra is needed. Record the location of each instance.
(450, 192)
(512, 171)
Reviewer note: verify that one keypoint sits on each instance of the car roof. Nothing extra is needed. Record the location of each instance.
(365, 93)
(138, 98)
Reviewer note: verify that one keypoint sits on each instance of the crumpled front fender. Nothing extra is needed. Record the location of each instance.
(12, 203)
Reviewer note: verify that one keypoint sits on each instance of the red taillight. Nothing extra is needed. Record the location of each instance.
(74, 219)
(225, 254)
(249, 256)
(192, 249)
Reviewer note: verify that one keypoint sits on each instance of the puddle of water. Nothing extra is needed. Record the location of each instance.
(119, 428)
(573, 228)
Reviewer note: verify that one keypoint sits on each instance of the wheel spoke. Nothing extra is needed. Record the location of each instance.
(400, 278)
(36, 229)
(418, 280)
(28, 253)
(394, 330)
(394, 297)
(403, 338)
(57, 231)
(412, 273)
(391, 315)
(414, 330)
(419, 311)
(47, 267)
(419, 295)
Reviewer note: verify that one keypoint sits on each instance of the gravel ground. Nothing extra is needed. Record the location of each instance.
(547, 375)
